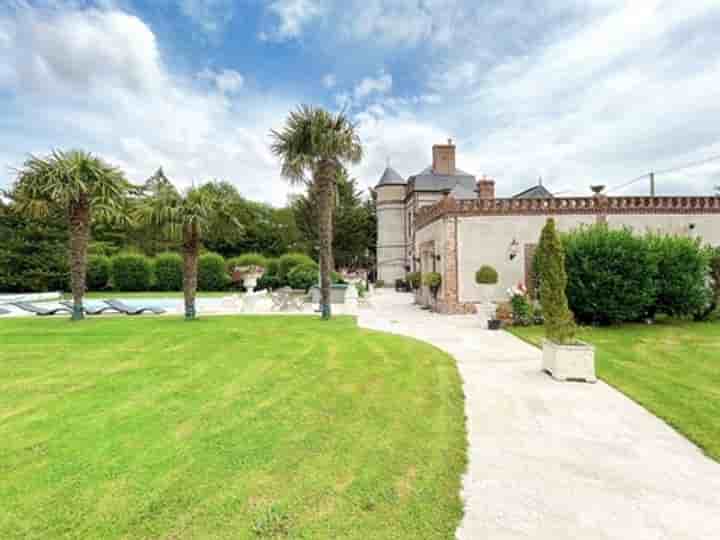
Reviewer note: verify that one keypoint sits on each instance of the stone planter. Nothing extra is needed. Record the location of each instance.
(486, 313)
(486, 292)
(337, 294)
(569, 362)
(250, 280)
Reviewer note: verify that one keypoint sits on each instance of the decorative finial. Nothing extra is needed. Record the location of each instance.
(539, 180)
(387, 160)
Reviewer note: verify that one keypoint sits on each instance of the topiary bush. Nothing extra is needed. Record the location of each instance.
(212, 275)
(131, 272)
(611, 275)
(433, 280)
(681, 281)
(98, 272)
(303, 276)
(289, 261)
(414, 279)
(522, 311)
(486, 275)
(559, 323)
(168, 272)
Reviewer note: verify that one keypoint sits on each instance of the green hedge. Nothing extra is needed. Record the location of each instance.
(131, 272)
(303, 276)
(683, 267)
(98, 272)
(168, 272)
(616, 276)
(291, 260)
(247, 259)
(212, 275)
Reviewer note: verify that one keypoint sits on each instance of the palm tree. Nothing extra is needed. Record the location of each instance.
(85, 188)
(313, 145)
(185, 216)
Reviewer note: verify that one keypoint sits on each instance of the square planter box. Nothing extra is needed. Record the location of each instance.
(569, 362)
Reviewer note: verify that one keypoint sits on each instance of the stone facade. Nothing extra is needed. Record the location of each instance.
(443, 220)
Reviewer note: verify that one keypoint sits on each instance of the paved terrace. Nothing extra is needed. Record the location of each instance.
(550, 460)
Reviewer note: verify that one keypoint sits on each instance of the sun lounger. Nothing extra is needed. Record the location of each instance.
(38, 310)
(88, 309)
(4, 311)
(122, 307)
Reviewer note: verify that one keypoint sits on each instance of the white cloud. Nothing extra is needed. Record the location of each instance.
(329, 81)
(292, 17)
(211, 15)
(381, 84)
(107, 89)
(227, 81)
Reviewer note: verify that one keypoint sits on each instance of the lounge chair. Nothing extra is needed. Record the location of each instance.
(38, 310)
(4, 311)
(122, 307)
(90, 310)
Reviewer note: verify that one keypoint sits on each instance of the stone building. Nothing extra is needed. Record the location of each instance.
(444, 219)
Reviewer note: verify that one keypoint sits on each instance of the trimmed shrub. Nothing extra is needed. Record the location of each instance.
(337, 279)
(131, 272)
(98, 272)
(247, 259)
(433, 280)
(212, 275)
(303, 276)
(168, 272)
(291, 260)
(559, 323)
(681, 280)
(414, 279)
(271, 278)
(611, 275)
(486, 275)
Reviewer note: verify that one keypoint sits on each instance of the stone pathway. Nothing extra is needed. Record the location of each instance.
(550, 460)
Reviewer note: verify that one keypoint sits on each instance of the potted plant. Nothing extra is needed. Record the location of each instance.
(486, 278)
(564, 357)
(432, 281)
(248, 268)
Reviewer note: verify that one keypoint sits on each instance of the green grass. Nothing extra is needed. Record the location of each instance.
(227, 427)
(671, 368)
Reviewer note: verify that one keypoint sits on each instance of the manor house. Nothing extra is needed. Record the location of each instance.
(446, 220)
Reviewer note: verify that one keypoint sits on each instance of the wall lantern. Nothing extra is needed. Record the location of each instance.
(513, 249)
(437, 258)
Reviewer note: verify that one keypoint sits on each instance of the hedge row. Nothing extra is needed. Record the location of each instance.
(136, 272)
(617, 276)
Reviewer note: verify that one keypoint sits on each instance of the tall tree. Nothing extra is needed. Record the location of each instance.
(312, 146)
(354, 224)
(186, 217)
(84, 187)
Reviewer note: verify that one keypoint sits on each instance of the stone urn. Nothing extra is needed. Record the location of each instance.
(249, 275)
(569, 362)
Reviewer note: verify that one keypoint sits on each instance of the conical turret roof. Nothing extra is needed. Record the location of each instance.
(390, 177)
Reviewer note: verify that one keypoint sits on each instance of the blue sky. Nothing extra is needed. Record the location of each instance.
(576, 92)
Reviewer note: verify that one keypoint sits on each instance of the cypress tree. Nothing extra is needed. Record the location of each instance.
(559, 320)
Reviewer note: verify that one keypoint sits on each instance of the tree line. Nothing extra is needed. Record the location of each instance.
(67, 205)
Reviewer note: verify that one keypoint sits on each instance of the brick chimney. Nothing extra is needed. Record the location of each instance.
(444, 158)
(486, 188)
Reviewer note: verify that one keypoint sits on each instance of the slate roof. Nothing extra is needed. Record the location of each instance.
(535, 192)
(427, 180)
(391, 177)
(461, 191)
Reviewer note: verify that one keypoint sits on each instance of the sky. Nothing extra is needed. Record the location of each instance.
(576, 92)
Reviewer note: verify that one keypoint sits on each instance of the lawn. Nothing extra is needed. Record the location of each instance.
(227, 427)
(671, 368)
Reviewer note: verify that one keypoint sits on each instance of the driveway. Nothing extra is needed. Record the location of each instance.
(551, 460)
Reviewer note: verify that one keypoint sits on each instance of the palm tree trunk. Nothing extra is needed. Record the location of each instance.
(326, 174)
(79, 237)
(191, 249)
